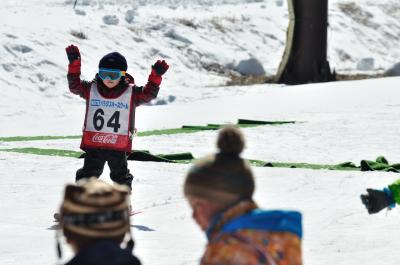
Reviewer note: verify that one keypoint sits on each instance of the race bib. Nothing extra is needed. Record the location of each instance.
(108, 121)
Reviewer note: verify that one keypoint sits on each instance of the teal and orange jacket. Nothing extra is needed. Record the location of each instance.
(246, 235)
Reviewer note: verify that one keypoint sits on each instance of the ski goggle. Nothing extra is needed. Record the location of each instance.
(111, 74)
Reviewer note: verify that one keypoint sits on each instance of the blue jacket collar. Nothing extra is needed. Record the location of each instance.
(263, 220)
(272, 221)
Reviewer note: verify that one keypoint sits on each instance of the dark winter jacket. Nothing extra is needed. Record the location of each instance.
(141, 94)
(104, 253)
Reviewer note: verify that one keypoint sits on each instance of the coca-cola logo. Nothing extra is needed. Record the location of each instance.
(105, 138)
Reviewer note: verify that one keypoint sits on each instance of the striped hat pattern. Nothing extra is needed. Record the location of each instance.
(93, 208)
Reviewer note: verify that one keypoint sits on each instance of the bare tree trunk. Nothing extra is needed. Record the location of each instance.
(305, 55)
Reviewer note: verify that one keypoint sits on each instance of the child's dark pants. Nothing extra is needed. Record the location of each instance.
(95, 160)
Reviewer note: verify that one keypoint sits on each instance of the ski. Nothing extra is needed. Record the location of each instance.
(132, 213)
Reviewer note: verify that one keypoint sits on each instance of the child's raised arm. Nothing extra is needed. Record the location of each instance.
(76, 86)
(150, 90)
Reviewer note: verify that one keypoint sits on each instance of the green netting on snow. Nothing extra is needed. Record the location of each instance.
(138, 155)
(341, 166)
(245, 122)
(46, 152)
(37, 138)
(380, 164)
(183, 129)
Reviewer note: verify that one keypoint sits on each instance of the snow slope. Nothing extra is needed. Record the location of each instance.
(200, 39)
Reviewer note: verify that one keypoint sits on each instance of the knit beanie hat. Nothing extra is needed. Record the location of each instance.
(95, 209)
(223, 177)
(114, 60)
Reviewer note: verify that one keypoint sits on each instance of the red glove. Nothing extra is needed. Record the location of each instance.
(74, 58)
(158, 69)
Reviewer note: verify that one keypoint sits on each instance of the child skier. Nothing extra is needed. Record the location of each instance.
(377, 200)
(111, 99)
(219, 189)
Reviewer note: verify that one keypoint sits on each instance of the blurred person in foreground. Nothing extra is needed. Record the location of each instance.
(94, 218)
(219, 189)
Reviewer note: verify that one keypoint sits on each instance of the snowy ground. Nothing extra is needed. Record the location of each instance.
(342, 121)
(346, 121)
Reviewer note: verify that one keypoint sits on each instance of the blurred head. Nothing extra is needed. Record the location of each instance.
(217, 181)
(112, 68)
(93, 210)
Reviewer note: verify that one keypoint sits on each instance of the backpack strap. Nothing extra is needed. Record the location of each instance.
(264, 258)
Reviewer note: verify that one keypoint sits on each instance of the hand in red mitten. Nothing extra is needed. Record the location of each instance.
(158, 69)
(73, 53)
(74, 58)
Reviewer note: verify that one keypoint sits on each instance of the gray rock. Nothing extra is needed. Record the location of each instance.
(366, 64)
(84, 2)
(394, 70)
(279, 2)
(21, 48)
(250, 66)
(130, 15)
(110, 20)
(8, 67)
(176, 36)
(80, 12)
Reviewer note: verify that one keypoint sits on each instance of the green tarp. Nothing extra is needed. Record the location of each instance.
(380, 164)
(183, 129)
(46, 152)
